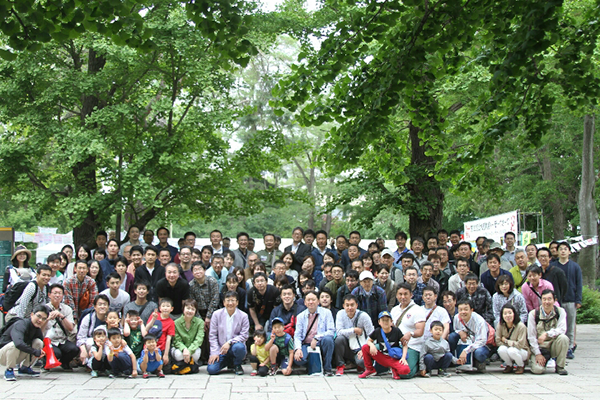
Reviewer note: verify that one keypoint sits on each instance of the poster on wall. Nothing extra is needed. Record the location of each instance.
(493, 227)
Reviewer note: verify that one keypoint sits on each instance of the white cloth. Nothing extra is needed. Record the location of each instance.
(117, 303)
(408, 324)
(438, 314)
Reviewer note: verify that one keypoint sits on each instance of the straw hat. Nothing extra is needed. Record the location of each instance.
(20, 249)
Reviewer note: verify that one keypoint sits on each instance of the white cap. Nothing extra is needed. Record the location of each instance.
(366, 275)
(387, 252)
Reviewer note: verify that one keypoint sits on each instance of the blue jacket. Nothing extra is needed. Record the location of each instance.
(574, 281)
(489, 282)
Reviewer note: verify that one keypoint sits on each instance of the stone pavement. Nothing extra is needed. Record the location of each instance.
(582, 383)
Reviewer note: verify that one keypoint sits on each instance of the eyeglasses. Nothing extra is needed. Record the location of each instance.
(40, 317)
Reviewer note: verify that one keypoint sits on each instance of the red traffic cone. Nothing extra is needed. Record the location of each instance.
(51, 361)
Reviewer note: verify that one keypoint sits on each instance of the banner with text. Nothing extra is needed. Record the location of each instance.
(492, 227)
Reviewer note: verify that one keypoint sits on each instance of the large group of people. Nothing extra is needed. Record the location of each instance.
(138, 308)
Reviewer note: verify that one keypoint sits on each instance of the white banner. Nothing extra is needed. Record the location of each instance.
(492, 227)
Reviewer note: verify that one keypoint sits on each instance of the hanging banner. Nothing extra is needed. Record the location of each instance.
(492, 227)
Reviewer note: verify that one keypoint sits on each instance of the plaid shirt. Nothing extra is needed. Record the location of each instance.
(74, 291)
(206, 294)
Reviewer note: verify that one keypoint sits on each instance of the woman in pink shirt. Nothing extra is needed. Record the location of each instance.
(533, 288)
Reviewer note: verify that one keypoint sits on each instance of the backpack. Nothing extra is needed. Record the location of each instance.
(13, 294)
(8, 324)
(537, 315)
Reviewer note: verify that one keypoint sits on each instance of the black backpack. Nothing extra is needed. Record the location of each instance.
(13, 293)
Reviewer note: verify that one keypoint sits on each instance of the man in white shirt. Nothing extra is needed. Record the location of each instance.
(434, 313)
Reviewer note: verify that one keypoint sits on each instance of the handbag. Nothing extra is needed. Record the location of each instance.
(394, 352)
(355, 341)
(314, 361)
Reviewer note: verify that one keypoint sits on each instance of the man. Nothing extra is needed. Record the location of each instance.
(481, 300)
(185, 262)
(205, 290)
(464, 250)
(215, 242)
(454, 237)
(438, 273)
(315, 327)
(401, 239)
(479, 256)
(573, 296)
(227, 242)
(410, 318)
(242, 252)
(449, 303)
(150, 272)
(411, 277)
(134, 239)
(510, 240)
(370, 298)
(426, 275)
(117, 296)
(319, 252)
(60, 326)
(337, 272)
(173, 287)
(298, 249)
(127, 253)
(351, 254)
(352, 330)
(495, 248)
(470, 327)
(397, 273)
(417, 246)
(80, 289)
(164, 256)
(546, 328)
(553, 246)
(457, 281)
(141, 304)
(442, 236)
(489, 277)
(445, 264)
(354, 240)
(148, 236)
(216, 270)
(351, 283)
(269, 254)
(341, 244)
(553, 274)
(251, 244)
(434, 313)
(519, 271)
(531, 250)
(262, 298)
(432, 244)
(288, 310)
(229, 329)
(21, 343)
(309, 237)
(249, 270)
(163, 237)
(35, 293)
(387, 258)
(101, 239)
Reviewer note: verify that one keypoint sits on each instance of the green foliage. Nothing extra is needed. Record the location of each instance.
(589, 313)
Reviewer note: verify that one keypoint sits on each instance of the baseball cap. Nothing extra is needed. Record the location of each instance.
(384, 314)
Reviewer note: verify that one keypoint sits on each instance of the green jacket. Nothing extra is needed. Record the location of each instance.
(188, 339)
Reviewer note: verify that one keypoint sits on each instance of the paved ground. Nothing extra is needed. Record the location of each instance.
(582, 383)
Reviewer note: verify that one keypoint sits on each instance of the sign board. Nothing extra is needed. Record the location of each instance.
(7, 242)
(492, 227)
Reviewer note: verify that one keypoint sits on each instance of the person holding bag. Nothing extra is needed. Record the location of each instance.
(384, 346)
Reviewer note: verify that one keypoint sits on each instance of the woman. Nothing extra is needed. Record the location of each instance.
(206, 254)
(134, 239)
(189, 334)
(232, 284)
(288, 259)
(308, 265)
(506, 293)
(511, 337)
(367, 260)
(383, 281)
(126, 278)
(20, 265)
(64, 262)
(99, 254)
(241, 278)
(68, 250)
(83, 253)
(95, 272)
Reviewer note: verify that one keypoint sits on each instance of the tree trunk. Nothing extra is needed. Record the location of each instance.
(425, 210)
(311, 192)
(329, 216)
(558, 216)
(84, 172)
(588, 214)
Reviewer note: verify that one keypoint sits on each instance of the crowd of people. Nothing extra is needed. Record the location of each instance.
(138, 308)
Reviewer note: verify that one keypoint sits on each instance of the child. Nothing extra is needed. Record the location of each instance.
(377, 349)
(259, 356)
(435, 353)
(118, 297)
(113, 320)
(163, 324)
(119, 355)
(97, 361)
(134, 332)
(150, 361)
(279, 345)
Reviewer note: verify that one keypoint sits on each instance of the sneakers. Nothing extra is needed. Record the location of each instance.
(427, 375)
(254, 372)
(145, 375)
(274, 370)
(94, 374)
(238, 370)
(443, 373)
(111, 376)
(339, 371)
(160, 374)
(329, 372)
(28, 371)
(495, 357)
(570, 354)
(551, 364)
(395, 375)
(480, 366)
(561, 371)
(9, 375)
(368, 372)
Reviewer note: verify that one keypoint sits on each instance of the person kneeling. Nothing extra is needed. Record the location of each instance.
(281, 348)
(150, 361)
(119, 356)
(383, 346)
(435, 353)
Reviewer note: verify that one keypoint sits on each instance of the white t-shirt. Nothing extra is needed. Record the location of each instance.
(439, 314)
(415, 315)
(117, 303)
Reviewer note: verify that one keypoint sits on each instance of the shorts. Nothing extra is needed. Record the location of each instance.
(151, 367)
